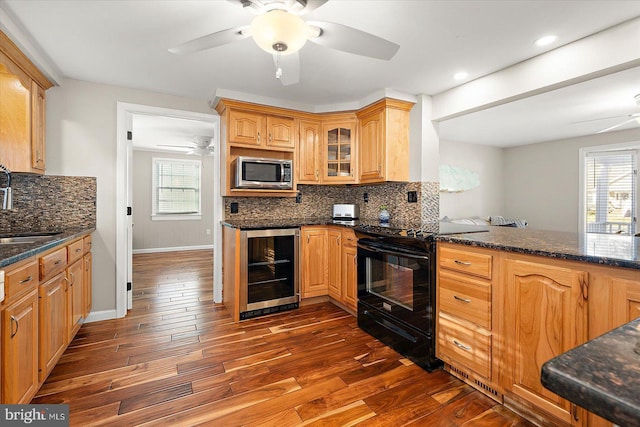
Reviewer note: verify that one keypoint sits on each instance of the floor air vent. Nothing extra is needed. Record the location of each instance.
(486, 388)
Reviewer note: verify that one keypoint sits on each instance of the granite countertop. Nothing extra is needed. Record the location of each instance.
(602, 375)
(10, 254)
(615, 250)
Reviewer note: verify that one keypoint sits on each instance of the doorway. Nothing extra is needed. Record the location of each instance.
(124, 224)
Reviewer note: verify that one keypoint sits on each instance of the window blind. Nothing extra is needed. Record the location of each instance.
(176, 186)
(611, 191)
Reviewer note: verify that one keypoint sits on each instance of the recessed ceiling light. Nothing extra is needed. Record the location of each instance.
(546, 40)
(461, 75)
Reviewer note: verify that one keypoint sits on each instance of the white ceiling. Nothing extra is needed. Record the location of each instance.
(126, 43)
(170, 134)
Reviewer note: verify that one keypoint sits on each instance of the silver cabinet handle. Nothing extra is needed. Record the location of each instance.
(457, 261)
(78, 250)
(57, 262)
(465, 300)
(72, 279)
(14, 320)
(258, 136)
(462, 346)
(270, 137)
(28, 279)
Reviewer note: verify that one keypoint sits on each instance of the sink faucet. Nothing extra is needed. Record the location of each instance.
(6, 190)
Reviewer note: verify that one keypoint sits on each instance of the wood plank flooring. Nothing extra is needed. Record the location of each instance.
(177, 359)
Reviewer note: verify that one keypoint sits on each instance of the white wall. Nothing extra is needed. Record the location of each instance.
(541, 181)
(81, 141)
(482, 201)
(150, 235)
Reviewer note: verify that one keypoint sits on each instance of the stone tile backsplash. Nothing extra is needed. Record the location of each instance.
(49, 202)
(317, 201)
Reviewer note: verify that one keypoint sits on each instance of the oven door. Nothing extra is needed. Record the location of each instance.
(397, 281)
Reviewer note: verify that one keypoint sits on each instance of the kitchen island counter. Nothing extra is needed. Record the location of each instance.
(602, 375)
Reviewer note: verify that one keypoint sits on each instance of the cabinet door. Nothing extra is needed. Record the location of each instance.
(75, 303)
(314, 262)
(309, 153)
(335, 258)
(349, 278)
(52, 331)
(371, 148)
(20, 350)
(38, 128)
(15, 116)
(339, 152)
(87, 283)
(280, 132)
(246, 128)
(545, 316)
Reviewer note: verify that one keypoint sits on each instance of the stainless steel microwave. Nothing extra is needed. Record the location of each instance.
(262, 173)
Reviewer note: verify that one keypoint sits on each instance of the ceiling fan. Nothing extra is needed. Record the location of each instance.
(202, 146)
(630, 118)
(278, 29)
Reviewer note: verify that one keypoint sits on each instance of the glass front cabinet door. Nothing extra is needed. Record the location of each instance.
(339, 151)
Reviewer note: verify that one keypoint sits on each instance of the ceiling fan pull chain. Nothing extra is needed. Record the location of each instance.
(278, 68)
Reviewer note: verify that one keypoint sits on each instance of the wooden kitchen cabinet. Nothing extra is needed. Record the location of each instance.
(464, 321)
(314, 263)
(20, 349)
(339, 150)
(383, 128)
(22, 110)
(87, 285)
(75, 299)
(334, 263)
(349, 269)
(52, 322)
(544, 312)
(342, 267)
(260, 129)
(309, 153)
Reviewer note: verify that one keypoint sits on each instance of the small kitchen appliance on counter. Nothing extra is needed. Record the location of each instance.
(346, 214)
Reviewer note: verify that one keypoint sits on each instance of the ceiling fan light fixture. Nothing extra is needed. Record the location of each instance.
(278, 31)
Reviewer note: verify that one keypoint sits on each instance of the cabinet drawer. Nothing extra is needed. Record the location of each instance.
(53, 263)
(86, 244)
(75, 251)
(21, 280)
(465, 261)
(464, 346)
(466, 298)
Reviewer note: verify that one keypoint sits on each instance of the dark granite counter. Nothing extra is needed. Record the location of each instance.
(607, 249)
(10, 254)
(602, 375)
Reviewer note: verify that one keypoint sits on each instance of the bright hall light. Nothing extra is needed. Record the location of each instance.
(546, 40)
(461, 75)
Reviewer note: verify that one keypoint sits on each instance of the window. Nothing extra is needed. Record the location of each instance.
(611, 195)
(176, 189)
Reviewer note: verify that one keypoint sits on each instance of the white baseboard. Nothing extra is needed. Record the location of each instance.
(96, 316)
(175, 249)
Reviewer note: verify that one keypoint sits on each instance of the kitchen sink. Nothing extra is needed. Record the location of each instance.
(25, 238)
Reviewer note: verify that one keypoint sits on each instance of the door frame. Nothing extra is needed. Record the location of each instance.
(125, 112)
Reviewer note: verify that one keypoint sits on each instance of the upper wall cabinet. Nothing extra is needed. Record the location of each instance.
(22, 110)
(260, 129)
(384, 141)
(339, 149)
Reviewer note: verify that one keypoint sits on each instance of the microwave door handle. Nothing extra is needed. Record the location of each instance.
(387, 251)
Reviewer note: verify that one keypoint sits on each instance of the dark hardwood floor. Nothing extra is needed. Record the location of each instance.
(177, 359)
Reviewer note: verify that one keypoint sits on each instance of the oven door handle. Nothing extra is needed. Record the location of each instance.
(389, 251)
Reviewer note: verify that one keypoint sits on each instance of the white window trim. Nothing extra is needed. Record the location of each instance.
(582, 194)
(173, 217)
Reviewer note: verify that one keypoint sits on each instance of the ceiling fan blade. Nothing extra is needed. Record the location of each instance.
(311, 5)
(212, 40)
(290, 65)
(632, 119)
(348, 39)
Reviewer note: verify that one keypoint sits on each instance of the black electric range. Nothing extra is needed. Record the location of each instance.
(397, 285)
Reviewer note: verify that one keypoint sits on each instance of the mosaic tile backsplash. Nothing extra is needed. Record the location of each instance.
(317, 201)
(50, 203)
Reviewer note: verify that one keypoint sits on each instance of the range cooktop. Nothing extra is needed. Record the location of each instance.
(420, 231)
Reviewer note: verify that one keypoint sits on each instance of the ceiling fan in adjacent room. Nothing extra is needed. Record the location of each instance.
(202, 146)
(630, 118)
(278, 29)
